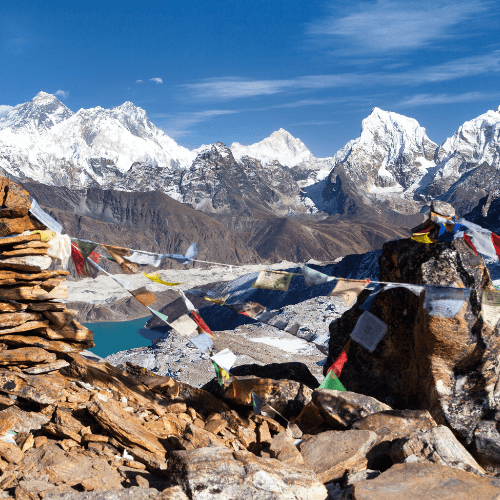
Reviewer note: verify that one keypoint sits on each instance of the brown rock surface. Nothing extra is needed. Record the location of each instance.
(45, 389)
(330, 454)
(426, 481)
(10, 452)
(26, 356)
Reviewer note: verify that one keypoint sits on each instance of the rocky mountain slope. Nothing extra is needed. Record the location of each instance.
(392, 168)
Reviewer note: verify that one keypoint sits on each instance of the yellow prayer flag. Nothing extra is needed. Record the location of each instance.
(157, 278)
(45, 234)
(422, 238)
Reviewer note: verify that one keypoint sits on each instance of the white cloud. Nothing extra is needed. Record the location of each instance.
(63, 94)
(389, 26)
(156, 80)
(433, 99)
(5, 108)
(139, 81)
(229, 88)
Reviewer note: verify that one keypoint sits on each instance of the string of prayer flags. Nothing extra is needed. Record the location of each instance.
(118, 254)
(445, 302)
(60, 249)
(273, 280)
(80, 265)
(121, 281)
(448, 230)
(225, 359)
(45, 234)
(144, 258)
(184, 259)
(332, 382)
(157, 279)
(184, 325)
(486, 242)
(202, 325)
(45, 218)
(219, 302)
(490, 307)
(313, 277)
(349, 290)
(202, 342)
(160, 315)
(369, 331)
(144, 296)
(367, 304)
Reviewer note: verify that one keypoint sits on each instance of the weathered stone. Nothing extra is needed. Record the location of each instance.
(7, 422)
(309, 419)
(124, 426)
(47, 368)
(263, 434)
(20, 238)
(15, 196)
(31, 244)
(283, 449)
(23, 421)
(23, 251)
(30, 263)
(26, 356)
(215, 426)
(425, 481)
(60, 318)
(46, 306)
(200, 438)
(74, 331)
(12, 306)
(342, 408)
(389, 426)
(9, 227)
(45, 389)
(437, 445)
(218, 474)
(449, 366)
(25, 327)
(35, 293)
(133, 493)
(49, 345)
(330, 454)
(10, 452)
(442, 208)
(18, 318)
(173, 426)
(25, 441)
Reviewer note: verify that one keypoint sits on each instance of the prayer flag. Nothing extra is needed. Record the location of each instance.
(313, 277)
(222, 375)
(189, 305)
(341, 360)
(160, 315)
(349, 290)
(224, 359)
(199, 321)
(60, 249)
(202, 342)
(82, 269)
(369, 331)
(332, 382)
(143, 258)
(257, 403)
(273, 280)
(118, 254)
(250, 309)
(45, 218)
(490, 310)
(144, 296)
(445, 302)
(486, 242)
(184, 259)
(423, 237)
(45, 234)
(184, 326)
(157, 279)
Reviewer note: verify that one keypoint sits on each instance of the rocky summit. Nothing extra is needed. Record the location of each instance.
(419, 418)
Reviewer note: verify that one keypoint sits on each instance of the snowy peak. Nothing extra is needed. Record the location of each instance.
(280, 145)
(37, 116)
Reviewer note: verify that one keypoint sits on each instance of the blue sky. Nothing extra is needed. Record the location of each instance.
(236, 70)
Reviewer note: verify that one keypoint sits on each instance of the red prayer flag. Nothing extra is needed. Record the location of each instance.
(495, 239)
(199, 321)
(78, 260)
(339, 364)
(469, 242)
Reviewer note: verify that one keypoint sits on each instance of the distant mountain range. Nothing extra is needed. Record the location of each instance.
(392, 168)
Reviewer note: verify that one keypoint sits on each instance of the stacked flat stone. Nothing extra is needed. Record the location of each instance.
(36, 329)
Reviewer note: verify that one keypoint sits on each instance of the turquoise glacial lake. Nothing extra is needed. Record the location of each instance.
(118, 336)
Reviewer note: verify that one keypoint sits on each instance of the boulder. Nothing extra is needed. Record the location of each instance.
(341, 409)
(437, 445)
(283, 449)
(220, 474)
(425, 481)
(45, 389)
(448, 366)
(330, 454)
(26, 356)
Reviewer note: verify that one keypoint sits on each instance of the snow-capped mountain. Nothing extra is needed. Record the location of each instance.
(392, 167)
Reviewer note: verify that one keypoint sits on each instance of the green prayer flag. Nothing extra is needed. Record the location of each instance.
(332, 382)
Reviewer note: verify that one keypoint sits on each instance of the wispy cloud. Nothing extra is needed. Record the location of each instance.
(231, 88)
(433, 99)
(389, 26)
(5, 108)
(141, 81)
(63, 94)
(156, 80)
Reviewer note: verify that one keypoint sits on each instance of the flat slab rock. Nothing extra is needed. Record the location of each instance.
(341, 408)
(426, 481)
(221, 474)
(133, 493)
(330, 454)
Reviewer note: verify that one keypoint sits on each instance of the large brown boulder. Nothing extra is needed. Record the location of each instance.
(449, 366)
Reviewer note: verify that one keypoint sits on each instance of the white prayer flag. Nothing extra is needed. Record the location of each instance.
(490, 302)
(202, 342)
(445, 302)
(225, 359)
(45, 218)
(369, 331)
(184, 325)
(313, 277)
